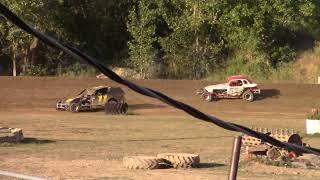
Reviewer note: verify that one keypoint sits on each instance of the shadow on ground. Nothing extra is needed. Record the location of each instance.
(36, 141)
(145, 106)
(209, 165)
(268, 93)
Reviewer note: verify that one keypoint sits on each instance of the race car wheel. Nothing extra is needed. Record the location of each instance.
(248, 96)
(116, 108)
(112, 101)
(124, 108)
(207, 97)
(58, 109)
(200, 91)
(75, 107)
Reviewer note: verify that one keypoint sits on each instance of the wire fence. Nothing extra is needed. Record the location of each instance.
(74, 52)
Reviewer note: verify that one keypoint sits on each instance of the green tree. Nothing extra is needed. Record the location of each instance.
(101, 34)
(195, 45)
(188, 43)
(142, 29)
(16, 43)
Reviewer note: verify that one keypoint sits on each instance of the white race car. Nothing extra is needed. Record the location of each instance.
(237, 86)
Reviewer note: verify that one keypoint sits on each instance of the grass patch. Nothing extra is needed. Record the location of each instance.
(6, 144)
(316, 135)
(280, 162)
(256, 68)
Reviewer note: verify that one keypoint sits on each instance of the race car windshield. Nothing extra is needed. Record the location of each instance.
(82, 92)
(249, 81)
(86, 92)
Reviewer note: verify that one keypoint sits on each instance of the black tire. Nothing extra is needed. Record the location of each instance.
(207, 97)
(112, 100)
(116, 108)
(75, 107)
(124, 108)
(181, 160)
(248, 96)
(110, 107)
(58, 109)
(119, 108)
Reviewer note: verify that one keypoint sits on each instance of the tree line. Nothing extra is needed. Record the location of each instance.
(161, 38)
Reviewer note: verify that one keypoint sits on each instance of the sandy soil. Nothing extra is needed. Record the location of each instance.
(63, 145)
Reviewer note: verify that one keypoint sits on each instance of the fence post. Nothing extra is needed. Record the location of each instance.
(235, 158)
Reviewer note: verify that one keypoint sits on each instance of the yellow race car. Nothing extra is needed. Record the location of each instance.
(95, 98)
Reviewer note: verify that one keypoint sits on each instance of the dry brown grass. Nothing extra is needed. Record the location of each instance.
(91, 146)
(307, 67)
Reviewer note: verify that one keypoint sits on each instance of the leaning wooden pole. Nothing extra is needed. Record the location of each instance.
(235, 158)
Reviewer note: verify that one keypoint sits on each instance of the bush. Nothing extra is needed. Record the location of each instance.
(256, 68)
(280, 162)
(35, 70)
(76, 70)
(314, 114)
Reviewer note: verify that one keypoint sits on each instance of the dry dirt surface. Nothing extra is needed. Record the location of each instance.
(91, 145)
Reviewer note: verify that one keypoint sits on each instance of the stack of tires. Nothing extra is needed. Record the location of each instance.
(11, 135)
(116, 108)
(162, 161)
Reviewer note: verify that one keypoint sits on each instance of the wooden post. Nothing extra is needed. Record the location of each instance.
(235, 158)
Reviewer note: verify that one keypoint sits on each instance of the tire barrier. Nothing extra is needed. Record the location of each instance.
(257, 147)
(116, 108)
(77, 54)
(145, 162)
(181, 160)
(11, 135)
(162, 161)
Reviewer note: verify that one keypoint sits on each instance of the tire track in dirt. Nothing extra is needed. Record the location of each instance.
(43, 92)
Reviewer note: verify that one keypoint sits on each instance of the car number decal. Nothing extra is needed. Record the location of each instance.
(103, 98)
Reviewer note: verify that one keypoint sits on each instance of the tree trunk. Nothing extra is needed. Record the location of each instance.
(25, 61)
(195, 13)
(32, 51)
(196, 34)
(14, 65)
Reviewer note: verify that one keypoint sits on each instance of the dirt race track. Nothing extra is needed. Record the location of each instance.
(63, 145)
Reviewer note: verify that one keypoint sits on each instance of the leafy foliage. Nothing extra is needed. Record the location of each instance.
(314, 114)
(197, 37)
(101, 34)
(166, 38)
